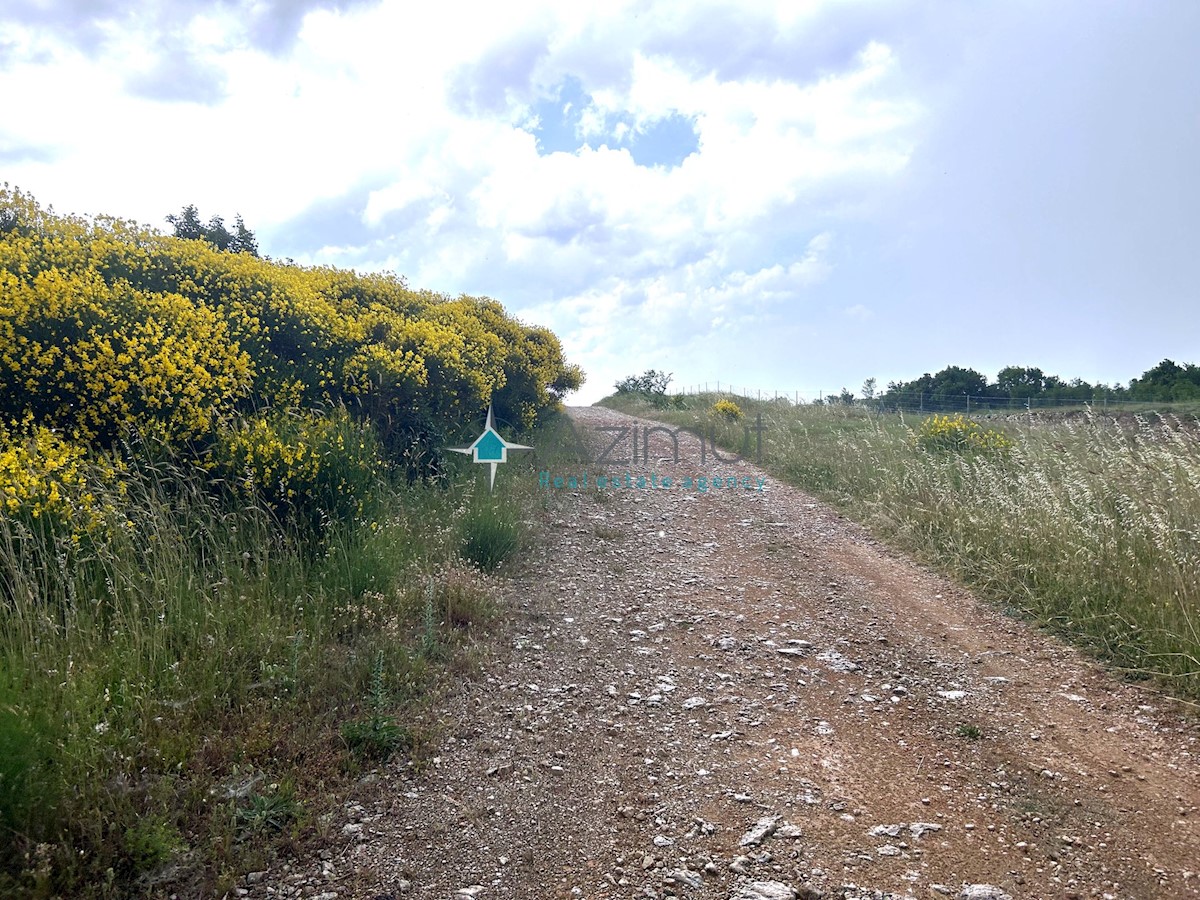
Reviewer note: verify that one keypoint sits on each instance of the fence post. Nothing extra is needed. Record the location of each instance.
(968, 396)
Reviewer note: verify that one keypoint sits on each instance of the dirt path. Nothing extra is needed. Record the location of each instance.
(739, 694)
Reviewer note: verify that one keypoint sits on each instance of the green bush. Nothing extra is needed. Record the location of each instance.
(651, 385)
(489, 534)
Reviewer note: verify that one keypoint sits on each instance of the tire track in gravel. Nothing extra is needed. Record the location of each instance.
(682, 667)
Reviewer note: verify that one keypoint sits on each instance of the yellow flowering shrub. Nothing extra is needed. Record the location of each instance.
(94, 358)
(50, 484)
(727, 409)
(310, 468)
(535, 375)
(107, 325)
(958, 433)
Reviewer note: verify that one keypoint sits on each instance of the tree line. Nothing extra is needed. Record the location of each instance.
(1166, 382)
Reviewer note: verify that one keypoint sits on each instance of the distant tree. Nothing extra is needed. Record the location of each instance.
(948, 389)
(1167, 381)
(846, 397)
(868, 389)
(954, 381)
(651, 383)
(187, 225)
(1020, 382)
(244, 240)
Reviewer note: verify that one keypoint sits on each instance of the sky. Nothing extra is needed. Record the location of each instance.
(788, 197)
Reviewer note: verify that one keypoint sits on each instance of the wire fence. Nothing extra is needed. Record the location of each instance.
(923, 401)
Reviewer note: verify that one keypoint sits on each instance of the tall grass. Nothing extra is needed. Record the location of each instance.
(1086, 524)
(172, 697)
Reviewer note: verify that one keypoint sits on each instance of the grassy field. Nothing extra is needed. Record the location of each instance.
(189, 695)
(1086, 524)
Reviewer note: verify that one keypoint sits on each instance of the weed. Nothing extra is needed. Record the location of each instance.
(267, 813)
(151, 842)
(968, 731)
(606, 532)
(489, 534)
(462, 600)
(377, 736)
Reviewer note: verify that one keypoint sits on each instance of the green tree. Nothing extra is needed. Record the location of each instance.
(1020, 382)
(1167, 381)
(651, 384)
(187, 225)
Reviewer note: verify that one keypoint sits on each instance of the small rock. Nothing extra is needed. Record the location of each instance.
(765, 890)
(837, 662)
(885, 831)
(694, 702)
(982, 892)
(740, 865)
(788, 831)
(686, 877)
(760, 831)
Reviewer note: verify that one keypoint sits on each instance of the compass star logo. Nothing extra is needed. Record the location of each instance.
(490, 448)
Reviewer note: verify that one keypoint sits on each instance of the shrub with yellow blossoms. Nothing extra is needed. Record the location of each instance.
(727, 409)
(106, 325)
(50, 484)
(312, 469)
(959, 434)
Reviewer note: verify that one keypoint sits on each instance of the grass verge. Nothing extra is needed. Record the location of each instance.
(187, 697)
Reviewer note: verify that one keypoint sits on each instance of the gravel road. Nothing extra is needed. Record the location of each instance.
(740, 694)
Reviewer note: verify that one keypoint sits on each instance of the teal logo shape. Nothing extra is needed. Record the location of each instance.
(490, 448)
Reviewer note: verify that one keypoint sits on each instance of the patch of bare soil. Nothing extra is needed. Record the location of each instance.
(740, 694)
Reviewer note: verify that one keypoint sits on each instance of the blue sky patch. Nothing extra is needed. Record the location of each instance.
(663, 142)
